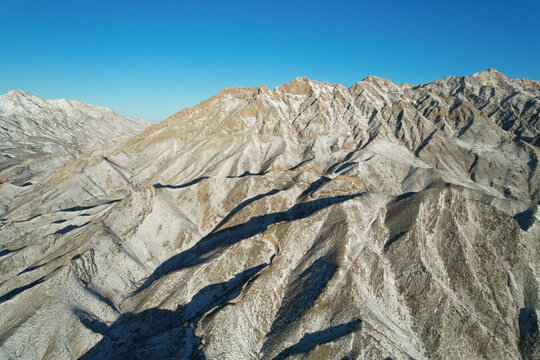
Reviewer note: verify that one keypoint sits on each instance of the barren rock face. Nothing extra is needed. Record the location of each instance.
(308, 221)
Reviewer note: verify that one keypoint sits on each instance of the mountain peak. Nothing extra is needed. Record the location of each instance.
(16, 92)
(377, 81)
(489, 71)
(20, 94)
(298, 86)
(489, 74)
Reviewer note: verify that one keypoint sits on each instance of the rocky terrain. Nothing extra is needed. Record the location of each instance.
(309, 221)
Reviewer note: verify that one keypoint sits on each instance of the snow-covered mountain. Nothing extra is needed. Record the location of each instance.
(26, 117)
(308, 221)
(31, 127)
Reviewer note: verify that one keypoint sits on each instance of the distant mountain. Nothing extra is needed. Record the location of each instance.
(28, 119)
(33, 128)
(308, 221)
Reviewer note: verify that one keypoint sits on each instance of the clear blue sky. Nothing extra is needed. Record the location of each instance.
(149, 59)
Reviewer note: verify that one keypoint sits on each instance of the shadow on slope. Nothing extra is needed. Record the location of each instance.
(80, 208)
(300, 164)
(302, 293)
(8, 251)
(158, 333)
(310, 340)
(314, 186)
(525, 219)
(242, 205)
(402, 213)
(192, 182)
(216, 241)
(19, 290)
(195, 181)
(69, 228)
(246, 173)
(529, 336)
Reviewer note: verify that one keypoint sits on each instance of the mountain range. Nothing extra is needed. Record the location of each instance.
(308, 221)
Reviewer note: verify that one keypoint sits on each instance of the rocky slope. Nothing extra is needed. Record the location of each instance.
(308, 221)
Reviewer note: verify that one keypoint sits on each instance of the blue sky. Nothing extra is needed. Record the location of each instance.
(149, 59)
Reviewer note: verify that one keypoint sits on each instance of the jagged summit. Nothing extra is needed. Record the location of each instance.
(376, 79)
(311, 220)
(488, 73)
(298, 86)
(16, 92)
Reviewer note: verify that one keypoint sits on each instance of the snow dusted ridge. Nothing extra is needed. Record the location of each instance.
(25, 116)
(309, 221)
(31, 127)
